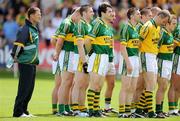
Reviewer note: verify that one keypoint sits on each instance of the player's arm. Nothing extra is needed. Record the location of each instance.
(160, 42)
(79, 33)
(60, 33)
(58, 47)
(176, 39)
(53, 40)
(81, 50)
(123, 40)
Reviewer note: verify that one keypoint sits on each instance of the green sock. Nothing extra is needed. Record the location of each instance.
(162, 106)
(54, 108)
(158, 108)
(171, 105)
(176, 105)
(61, 108)
(67, 108)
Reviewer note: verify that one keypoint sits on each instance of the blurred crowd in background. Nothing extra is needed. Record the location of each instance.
(13, 14)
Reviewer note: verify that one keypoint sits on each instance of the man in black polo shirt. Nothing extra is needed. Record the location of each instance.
(25, 53)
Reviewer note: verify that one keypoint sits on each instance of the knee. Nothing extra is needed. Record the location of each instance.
(177, 89)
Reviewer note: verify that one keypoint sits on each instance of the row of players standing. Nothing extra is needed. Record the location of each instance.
(88, 59)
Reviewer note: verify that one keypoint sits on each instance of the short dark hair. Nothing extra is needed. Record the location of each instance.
(103, 8)
(145, 11)
(31, 10)
(84, 8)
(131, 11)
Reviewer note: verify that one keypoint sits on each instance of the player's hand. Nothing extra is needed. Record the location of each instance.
(129, 68)
(55, 57)
(85, 66)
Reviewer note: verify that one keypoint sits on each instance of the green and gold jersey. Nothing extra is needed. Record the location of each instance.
(176, 34)
(129, 37)
(80, 32)
(166, 45)
(150, 35)
(101, 36)
(65, 31)
(138, 26)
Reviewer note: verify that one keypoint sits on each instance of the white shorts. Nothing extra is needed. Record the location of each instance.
(98, 63)
(176, 64)
(66, 61)
(111, 70)
(77, 63)
(134, 60)
(149, 62)
(164, 68)
(55, 67)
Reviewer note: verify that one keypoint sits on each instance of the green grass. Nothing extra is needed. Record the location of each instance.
(40, 103)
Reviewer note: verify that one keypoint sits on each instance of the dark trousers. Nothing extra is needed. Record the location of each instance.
(27, 75)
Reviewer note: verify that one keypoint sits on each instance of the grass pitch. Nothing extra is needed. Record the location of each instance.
(40, 104)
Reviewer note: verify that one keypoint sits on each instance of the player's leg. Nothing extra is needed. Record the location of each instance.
(171, 97)
(67, 75)
(132, 84)
(110, 81)
(176, 78)
(139, 90)
(149, 67)
(55, 93)
(64, 91)
(174, 89)
(97, 68)
(164, 72)
(83, 85)
(79, 83)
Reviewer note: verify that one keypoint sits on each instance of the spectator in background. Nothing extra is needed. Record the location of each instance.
(57, 19)
(48, 33)
(2, 40)
(1, 19)
(67, 8)
(10, 34)
(48, 12)
(20, 18)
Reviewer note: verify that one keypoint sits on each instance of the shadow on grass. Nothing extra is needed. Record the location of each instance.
(38, 115)
(39, 75)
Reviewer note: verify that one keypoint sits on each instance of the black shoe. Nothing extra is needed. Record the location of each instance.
(152, 115)
(99, 114)
(71, 113)
(54, 112)
(91, 114)
(160, 115)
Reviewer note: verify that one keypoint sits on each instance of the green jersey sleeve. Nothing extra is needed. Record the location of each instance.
(79, 31)
(124, 35)
(63, 29)
(94, 30)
